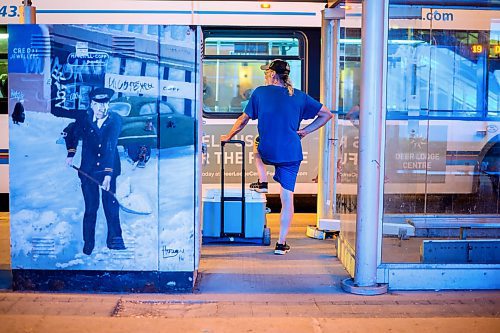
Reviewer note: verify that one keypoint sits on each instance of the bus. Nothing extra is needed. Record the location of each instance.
(443, 96)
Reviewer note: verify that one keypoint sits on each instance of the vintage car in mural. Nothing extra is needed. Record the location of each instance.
(141, 128)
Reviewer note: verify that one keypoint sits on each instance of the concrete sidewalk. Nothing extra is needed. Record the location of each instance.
(249, 289)
(394, 312)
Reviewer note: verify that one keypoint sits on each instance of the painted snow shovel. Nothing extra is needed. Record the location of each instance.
(122, 206)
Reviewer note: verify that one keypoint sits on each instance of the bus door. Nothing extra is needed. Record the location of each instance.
(231, 71)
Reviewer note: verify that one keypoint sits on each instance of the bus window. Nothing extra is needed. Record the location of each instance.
(494, 73)
(231, 67)
(350, 68)
(229, 83)
(3, 62)
(438, 72)
(238, 46)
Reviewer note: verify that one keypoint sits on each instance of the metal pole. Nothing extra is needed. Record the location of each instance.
(28, 13)
(370, 143)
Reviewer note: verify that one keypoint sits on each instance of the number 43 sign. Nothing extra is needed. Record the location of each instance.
(10, 14)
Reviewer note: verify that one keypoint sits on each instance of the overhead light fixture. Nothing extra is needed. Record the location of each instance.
(265, 5)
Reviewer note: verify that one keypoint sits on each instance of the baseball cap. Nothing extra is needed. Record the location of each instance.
(277, 65)
(101, 95)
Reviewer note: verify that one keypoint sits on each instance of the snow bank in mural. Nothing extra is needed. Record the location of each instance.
(47, 205)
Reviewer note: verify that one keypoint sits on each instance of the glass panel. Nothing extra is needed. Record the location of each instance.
(405, 184)
(442, 152)
(348, 133)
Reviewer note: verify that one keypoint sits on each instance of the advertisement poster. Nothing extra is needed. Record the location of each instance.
(416, 157)
(102, 141)
(233, 157)
(410, 157)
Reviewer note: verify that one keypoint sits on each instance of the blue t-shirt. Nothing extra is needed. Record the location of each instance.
(279, 116)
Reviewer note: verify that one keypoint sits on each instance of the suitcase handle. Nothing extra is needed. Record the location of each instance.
(222, 144)
(242, 198)
(241, 142)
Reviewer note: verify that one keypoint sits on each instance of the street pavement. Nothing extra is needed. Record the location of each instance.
(394, 312)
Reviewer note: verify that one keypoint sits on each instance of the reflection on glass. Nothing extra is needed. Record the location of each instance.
(348, 133)
(442, 153)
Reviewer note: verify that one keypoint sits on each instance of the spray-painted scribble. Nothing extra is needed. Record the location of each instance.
(132, 84)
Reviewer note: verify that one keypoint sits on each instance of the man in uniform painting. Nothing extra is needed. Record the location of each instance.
(99, 130)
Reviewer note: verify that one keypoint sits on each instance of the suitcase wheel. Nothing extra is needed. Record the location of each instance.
(266, 239)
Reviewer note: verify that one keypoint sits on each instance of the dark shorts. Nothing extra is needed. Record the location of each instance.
(284, 173)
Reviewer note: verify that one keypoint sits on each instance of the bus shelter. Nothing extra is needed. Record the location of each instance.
(410, 166)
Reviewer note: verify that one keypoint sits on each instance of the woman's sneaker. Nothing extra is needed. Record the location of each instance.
(259, 187)
(281, 248)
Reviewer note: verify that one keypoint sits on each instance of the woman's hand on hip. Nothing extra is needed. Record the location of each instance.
(302, 133)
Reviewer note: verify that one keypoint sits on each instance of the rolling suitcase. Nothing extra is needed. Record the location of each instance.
(234, 215)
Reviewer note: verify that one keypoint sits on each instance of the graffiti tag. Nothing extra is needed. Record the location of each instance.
(172, 253)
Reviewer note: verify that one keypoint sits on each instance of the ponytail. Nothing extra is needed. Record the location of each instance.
(287, 83)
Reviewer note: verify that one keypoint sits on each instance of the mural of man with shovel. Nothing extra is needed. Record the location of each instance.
(100, 164)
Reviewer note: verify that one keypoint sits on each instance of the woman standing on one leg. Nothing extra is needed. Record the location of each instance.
(279, 109)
